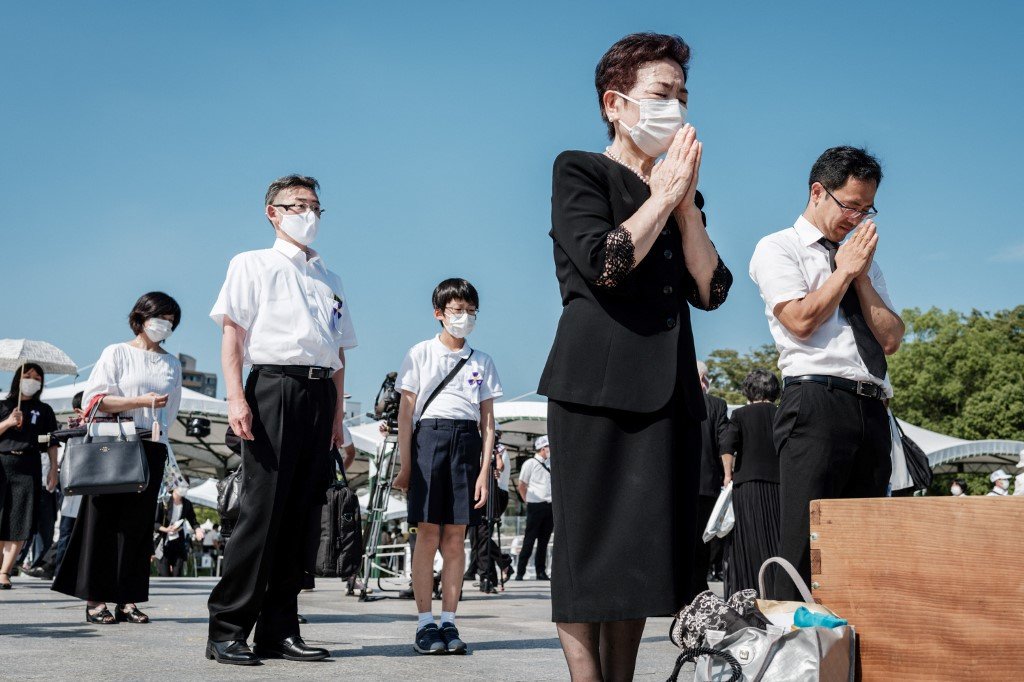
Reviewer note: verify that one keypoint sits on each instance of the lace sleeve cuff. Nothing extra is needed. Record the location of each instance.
(721, 281)
(619, 258)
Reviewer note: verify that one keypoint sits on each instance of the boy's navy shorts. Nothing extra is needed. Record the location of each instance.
(445, 466)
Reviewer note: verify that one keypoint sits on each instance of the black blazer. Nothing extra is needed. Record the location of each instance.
(163, 515)
(750, 437)
(712, 474)
(628, 346)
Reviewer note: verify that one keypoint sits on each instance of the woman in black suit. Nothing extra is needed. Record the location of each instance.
(624, 402)
(170, 526)
(751, 462)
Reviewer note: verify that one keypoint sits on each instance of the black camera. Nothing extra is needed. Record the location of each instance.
(197, 427)
(385, 407)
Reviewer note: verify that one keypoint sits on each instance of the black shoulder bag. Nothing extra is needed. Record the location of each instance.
(447, 380)
(917, 461)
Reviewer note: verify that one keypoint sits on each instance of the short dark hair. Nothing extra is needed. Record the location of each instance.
(837, 165)
(15, 392)
(617, 68)
(153, 304)
(76, 400)
(287, 181)
(454, 289)
(761, 385)
(962, 483)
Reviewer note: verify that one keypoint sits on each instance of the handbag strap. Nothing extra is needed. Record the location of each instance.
(340, 465)
(793, 574)
(692, 653)
(444, 382)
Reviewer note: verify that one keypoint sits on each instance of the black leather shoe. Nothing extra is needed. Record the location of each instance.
(543, 576)
(302, 620)
(234, 652)
(292, 649)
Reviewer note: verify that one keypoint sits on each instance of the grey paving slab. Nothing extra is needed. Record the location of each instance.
(43, 635)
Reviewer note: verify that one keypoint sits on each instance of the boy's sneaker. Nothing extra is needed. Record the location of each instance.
(429, 640)
(453, 643)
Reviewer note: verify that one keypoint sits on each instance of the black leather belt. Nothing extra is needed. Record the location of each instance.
(15, 452)
(301, 371)
(865, 389)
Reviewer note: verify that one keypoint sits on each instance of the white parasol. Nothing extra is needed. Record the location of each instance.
(16, 353)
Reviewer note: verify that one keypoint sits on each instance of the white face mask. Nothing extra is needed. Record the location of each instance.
(301, 227)
(158, 329)
(660, 120)
(955, 490)
(30, 387)
(1003, 483)
(460, 326)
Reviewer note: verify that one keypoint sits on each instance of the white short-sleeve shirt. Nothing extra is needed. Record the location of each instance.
(790, 264)
(537, 477)
(294, 310)
(427, 364)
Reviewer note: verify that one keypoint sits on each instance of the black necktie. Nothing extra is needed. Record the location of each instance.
(867, 345)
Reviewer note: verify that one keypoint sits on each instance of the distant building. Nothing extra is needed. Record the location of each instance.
(201, 382)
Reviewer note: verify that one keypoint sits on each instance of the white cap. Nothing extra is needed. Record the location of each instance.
(1020, 464)
(999, 475)
(540, 443)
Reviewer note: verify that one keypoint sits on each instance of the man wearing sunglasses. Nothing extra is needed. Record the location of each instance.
(833, 322)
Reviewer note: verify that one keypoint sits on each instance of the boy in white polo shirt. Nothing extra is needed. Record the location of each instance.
(445, 440)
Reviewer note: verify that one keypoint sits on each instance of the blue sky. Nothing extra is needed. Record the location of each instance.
(138, 140)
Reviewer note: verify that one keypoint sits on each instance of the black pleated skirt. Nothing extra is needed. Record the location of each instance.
(624, 494)
(755, 537)
(21, 480)
(108, 556)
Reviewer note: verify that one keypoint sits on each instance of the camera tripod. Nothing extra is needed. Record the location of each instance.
(493, 521)
(376, 513)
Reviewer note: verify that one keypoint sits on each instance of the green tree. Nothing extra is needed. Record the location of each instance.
(962, 374)
(728, 368)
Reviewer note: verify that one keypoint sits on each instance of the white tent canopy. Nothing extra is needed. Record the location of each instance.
(204, 493)
(956, 455)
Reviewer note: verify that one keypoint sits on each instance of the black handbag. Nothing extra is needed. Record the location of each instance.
(341, 538)
(229, 496)
(104, 465)
(917, 461)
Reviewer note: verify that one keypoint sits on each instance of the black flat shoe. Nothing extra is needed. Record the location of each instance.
(291, 649)
(101, 617)
(132, 615)
(7, 585)
(234, 652)
(543, 576)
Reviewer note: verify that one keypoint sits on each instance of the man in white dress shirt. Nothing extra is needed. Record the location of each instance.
(829, 311)
(285, 314)
(535, 489)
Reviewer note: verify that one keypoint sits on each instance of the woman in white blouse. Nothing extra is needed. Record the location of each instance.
(108, 557)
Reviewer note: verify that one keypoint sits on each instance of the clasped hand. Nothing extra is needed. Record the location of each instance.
(674, 179)
(855, 255)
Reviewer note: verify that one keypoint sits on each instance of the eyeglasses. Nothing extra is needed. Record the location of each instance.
(853, 212)
(302, 208)
(472, 312)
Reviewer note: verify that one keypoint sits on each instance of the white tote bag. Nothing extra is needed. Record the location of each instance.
(722, 519)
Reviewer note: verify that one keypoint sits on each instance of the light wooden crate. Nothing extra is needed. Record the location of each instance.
(933, 585)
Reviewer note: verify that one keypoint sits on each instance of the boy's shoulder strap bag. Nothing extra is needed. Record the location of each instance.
(444, 382)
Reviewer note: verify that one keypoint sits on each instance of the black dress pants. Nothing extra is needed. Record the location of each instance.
(831, 444)
(286, 473)
(484, 552)
(540, 521)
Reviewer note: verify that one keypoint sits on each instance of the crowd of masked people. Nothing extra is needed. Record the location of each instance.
(627, 417)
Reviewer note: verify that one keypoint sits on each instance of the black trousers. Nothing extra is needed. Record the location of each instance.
(831, 444)
(540, 521)
(702, 551)
(286, 473)
(173, 561)
(484, 552)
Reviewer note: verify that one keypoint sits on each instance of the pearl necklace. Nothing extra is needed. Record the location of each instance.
(643, 178)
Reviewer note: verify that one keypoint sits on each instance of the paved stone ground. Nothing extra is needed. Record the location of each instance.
(43, 635)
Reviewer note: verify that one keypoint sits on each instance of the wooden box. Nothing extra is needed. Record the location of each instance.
(933, 585)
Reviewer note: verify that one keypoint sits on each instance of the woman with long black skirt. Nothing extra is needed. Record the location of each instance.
(108, 557)
(632, 254)
(752, 464)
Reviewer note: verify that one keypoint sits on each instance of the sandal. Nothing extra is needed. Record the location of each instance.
(131, 615)
(101, 617)
(7, 585)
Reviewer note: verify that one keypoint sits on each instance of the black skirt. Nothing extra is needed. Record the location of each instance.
(624, 494)
(755, 537)
(21, 480)
(108, 556)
